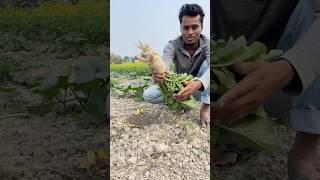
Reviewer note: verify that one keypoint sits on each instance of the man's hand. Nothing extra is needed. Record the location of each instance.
(159, 78)
(261, 81)
(186, 92)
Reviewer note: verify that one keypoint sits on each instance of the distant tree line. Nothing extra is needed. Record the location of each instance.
(117, 59)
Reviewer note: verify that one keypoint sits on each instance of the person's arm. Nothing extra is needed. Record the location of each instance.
(202, 83)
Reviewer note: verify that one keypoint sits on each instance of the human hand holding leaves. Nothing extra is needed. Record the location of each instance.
(186, 92)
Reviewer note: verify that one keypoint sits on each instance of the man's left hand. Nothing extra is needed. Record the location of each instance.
(186, 92)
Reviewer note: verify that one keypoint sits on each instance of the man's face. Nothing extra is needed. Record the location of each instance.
(191, 29)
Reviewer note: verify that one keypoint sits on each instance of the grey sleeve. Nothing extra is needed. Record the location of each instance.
(304, 55)
(316, 7)
(205, 78)
(168, 55)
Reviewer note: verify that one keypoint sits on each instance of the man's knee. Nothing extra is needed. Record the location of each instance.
(147, 95)
(151, 95)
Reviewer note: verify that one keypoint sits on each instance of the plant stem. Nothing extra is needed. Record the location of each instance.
(64, 101)
(77, 97)
(58, 99)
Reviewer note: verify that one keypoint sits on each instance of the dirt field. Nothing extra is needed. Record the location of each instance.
(49, 146)
(134, 138)
(157, 144)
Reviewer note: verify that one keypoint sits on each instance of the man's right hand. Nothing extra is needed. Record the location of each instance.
(261, 81)
(159, 78)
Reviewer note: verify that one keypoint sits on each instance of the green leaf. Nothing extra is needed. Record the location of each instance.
(227, 55)
(102, 153)
(170, 101)
(190, 103)
(259, 112)
(272, 55)
(256, 132)
(62, 82)
(91, 157)
(95, 108)
(253, 51)
(51, 94)
(226, 78)
(224, 52)
(175, 105)
(241, 41)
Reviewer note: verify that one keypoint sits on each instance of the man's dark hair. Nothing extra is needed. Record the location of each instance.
(191, 10)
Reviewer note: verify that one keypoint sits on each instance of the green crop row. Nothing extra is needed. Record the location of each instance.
(90, 19)
(130, 69)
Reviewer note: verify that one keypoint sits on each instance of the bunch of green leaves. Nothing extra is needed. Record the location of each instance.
(114, 87)
(172, 84)
(136, 89)
(87, 84)
(256, 131)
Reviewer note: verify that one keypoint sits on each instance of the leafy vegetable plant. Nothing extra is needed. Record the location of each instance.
(87, 84)
(256, 131)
